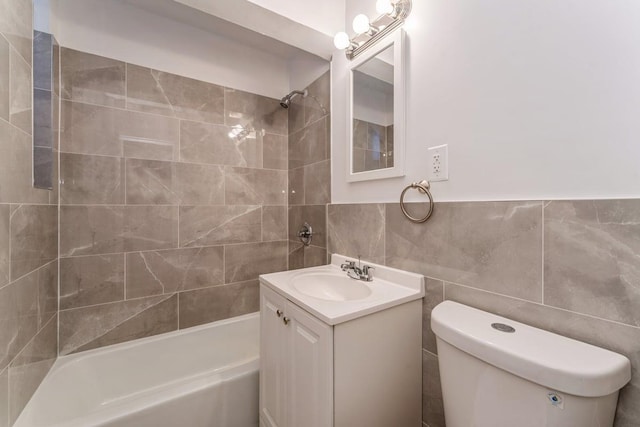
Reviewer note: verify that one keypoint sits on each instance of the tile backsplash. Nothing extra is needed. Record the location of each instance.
(570, 267)
(173, 200)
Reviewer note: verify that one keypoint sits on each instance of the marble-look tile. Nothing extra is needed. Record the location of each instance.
(5, 253)
(434, 295)
(296, 114)
(91, 230)
(275, 151)
(31, 366)
(377, 140)
(158, 92)
(157, 182)
(15, 168)
(20, 99)
(374, 160)
(18, 316)
(258, 112)
(91, 78)
(100, 325)
(248, 261)
(216, 144)
(355, 230)
(317, 183)
(47, 293)
(390, 146)
(315, 216)
(244, 186)
(213, 225)
(4, 398)
(612, 336)
(296, 186)
(91, 280)
(317, 104)
(358, 160)
(296, 255)
(274, 223)
(91, 180)
(16, 24)
(5, 84)
(221, 302)
(591, 258)
(496, 246)
(360, 134)
(165, 272)
(314, 256)
(150, 227)
(34, 237)
(432, 404)
(42, 61)
(309, 145)
(90, 129)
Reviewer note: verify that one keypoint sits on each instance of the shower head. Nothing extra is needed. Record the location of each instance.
(285, 102)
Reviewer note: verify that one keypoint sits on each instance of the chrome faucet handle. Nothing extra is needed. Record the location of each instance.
(367, 273)
(348, 265)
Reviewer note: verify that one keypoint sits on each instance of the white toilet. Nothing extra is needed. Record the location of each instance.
(499, 373)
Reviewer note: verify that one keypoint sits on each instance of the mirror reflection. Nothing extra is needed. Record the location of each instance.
(373, 113)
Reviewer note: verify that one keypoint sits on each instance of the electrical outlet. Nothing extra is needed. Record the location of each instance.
(438, 163)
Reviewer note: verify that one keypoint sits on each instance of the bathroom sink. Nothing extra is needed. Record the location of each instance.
(331, 287)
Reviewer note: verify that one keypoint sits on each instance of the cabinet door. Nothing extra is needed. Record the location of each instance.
(272, 358)
(309, 370)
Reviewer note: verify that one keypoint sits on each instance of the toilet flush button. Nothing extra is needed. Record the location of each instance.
(503, 328)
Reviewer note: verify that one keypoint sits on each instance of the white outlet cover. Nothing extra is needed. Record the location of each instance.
(438, 163)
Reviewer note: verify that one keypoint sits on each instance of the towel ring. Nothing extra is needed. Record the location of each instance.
(423, 187)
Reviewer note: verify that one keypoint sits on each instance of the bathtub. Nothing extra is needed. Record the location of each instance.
(205, 376)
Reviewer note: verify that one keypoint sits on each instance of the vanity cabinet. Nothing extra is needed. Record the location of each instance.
(296, 364)
(365, 372)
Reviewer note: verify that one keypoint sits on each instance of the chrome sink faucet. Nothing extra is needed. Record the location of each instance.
(358, 272)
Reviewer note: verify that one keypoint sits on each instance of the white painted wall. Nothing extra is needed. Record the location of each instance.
(118, 30)
(326, 16)
(537, 99)
(373, 100)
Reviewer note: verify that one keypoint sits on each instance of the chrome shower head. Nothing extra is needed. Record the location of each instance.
(285, 102)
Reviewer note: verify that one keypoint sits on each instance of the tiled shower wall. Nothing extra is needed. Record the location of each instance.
(571, 267)
(173, 200)
(28, 227)
(309, 172)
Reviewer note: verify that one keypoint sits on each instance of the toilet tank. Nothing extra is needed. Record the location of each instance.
(496, 372)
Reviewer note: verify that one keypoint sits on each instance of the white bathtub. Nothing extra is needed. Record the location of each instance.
(206, 376)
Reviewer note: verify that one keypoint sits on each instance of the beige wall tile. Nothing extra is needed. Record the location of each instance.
(96, 326)
(19, 316)
(495, 246)
(91, 230)
(309, 145)
(20, 100)
(91, 78)
(158, 92)
(220, 302)
(247, 261)
(91, 280)
(165, 272)
(243, 186)
(275, 151)
(30, 367)
(434, 295)
(214, 225)
(16, 24)
(91, 179)
(432, 405)
(317, 183)
(318, 103)
(47, 293)
(4, 398)
(5, 254)
(591, 258)
(34, 237)
(274, 223)
(215, 144)
(357, 230)
(296, 186)
(150, 227)
(4, 78)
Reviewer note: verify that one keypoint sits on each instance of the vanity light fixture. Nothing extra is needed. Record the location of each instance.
(393, 14)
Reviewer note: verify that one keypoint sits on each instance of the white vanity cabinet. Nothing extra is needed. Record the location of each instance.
(296, 365)
(335, 364)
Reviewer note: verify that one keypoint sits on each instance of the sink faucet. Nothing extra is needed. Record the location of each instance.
(358, 272)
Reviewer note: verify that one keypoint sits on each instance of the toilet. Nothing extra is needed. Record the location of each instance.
(496, 372)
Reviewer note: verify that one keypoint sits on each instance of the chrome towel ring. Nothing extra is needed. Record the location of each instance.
(423, 187)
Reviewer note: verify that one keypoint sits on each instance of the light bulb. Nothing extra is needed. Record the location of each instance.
(384, 6)
(361, 23)
(341, 40)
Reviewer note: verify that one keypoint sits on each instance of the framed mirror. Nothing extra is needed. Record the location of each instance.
(376, 111)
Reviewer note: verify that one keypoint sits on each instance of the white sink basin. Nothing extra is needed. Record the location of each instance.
(331, 287)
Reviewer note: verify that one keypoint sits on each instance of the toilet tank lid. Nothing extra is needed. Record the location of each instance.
(559, 363)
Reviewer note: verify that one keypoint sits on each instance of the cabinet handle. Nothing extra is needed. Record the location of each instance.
(286, 320)
(279, 313)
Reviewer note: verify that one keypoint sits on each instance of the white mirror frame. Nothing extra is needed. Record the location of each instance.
(395, 39)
